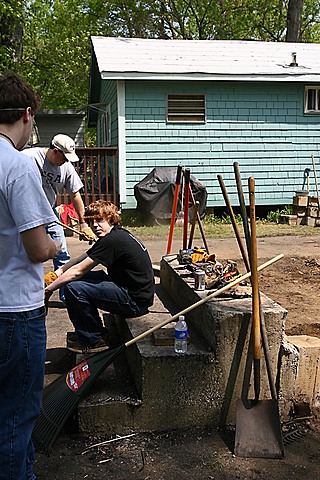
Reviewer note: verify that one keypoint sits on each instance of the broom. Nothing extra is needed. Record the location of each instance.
(61, 397)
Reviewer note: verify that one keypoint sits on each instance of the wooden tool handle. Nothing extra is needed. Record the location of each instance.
(242, 204)
(254, 275)
(234, 223)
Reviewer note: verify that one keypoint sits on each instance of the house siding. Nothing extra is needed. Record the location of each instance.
(260, 125)
(109, 96)
(52, 122)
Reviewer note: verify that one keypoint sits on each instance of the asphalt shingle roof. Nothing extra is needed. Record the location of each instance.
(124, 58)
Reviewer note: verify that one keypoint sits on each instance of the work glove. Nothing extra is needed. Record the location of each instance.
(47, 295)
(49, 278)
(87, 235)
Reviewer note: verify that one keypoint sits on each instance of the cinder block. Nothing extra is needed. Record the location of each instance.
(307, 386)
(313, 211)
(289, 219)
(300, 201)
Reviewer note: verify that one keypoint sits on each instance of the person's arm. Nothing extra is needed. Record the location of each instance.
(70, 264)
(72, 273)
(79, 208)
(39, 246)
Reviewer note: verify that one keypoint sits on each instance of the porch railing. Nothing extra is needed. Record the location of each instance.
(98, 170)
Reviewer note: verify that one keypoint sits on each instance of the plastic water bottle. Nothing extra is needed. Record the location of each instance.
(181, 336)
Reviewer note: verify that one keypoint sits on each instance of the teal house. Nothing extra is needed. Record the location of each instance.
(208, 104)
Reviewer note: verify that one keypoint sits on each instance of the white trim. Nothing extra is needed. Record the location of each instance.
(209, 77)
(121, 140)
(316, 89)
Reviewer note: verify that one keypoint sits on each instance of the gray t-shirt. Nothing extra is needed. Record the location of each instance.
(54, 178)
(23, 206)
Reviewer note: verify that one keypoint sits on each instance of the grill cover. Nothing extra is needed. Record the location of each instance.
(155, 192)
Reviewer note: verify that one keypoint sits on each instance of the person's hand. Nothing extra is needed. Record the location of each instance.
(47, 295)
(87, 234)
(49, 278)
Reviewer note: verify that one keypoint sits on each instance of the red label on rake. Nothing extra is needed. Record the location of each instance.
(77, 376)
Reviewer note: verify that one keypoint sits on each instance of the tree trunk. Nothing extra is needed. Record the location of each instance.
(294, 20)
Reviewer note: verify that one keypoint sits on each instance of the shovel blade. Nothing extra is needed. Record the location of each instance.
(258, 430)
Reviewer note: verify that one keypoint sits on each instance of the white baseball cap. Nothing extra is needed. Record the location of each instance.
(66, 145)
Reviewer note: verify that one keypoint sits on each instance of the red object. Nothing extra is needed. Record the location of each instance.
(68, 211)
(174, 207)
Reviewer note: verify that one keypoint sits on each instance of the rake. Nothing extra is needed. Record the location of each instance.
(61, 397)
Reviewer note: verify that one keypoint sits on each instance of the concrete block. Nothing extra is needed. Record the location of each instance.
(223, 325)
(300, 201)
(313, 211)
(307, 382)
(309, 221)
(289, 219)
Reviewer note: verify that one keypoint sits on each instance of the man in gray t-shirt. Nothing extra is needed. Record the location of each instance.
(58, 173)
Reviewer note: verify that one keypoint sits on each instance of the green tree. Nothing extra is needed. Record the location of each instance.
(56, 55)
(11, 30)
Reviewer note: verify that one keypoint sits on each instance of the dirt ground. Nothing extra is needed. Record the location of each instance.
(293, 282)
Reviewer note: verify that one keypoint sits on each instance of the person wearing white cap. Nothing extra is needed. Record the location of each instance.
(58, 173)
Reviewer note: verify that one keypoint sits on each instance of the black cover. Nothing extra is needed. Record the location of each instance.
(155, 192)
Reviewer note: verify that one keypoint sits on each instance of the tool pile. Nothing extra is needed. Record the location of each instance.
(197, 259)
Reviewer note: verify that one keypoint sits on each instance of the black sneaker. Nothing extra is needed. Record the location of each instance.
(72, 339)
(98, 346)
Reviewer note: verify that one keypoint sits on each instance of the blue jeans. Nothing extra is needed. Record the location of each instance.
(92, 292)
(56, 233)
(22, 362)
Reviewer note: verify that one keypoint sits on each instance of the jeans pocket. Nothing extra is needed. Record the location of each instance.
(6, 334)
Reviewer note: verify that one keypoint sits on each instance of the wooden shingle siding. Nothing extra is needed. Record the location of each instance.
(260, 125)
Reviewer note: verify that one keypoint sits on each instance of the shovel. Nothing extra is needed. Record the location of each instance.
(258, 429)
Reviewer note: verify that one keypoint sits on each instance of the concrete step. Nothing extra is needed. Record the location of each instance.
(167, 390)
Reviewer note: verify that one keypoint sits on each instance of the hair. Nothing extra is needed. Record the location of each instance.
(103, 209)
(16, 95)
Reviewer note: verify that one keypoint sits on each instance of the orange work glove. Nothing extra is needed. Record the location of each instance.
(87, 235)
(49, 278)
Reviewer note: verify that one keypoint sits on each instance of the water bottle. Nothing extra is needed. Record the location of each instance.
(181, 336)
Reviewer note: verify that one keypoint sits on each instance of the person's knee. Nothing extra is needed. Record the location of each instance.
(68, 293)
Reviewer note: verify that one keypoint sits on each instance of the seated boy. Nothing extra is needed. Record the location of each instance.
(126, 289)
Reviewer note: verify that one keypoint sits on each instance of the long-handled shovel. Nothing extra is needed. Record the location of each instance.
(174, 208)
(258, 430)
(245, 222)
(62, 396)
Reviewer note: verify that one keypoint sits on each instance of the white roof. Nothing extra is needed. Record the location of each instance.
(136, 58)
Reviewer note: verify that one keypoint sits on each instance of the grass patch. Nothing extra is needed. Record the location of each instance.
(224, 230)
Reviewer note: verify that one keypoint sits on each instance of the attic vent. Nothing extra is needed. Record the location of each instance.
(186, 108)
(294, 60)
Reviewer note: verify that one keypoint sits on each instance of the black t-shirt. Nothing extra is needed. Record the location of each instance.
(128, 264)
